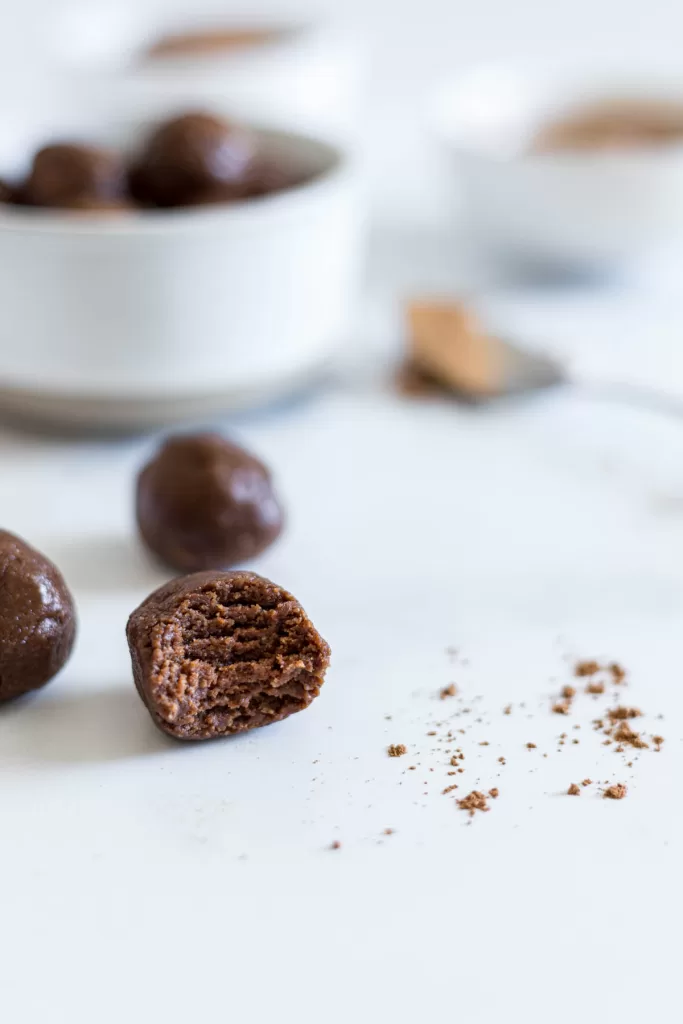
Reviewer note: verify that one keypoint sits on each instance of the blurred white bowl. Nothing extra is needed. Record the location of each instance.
(305, 78)
(569, 208)
(113, 317)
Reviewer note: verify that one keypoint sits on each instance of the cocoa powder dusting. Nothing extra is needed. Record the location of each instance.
(586, 668)
(618, 672)
(562, 707)
(615, 792)
(618, 714)
(624, 734)
(474, 801)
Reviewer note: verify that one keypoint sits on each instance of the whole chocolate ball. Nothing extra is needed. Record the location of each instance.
(65, 174)
(204, 503)
(37, 618)
(189, 155)
(220, 653)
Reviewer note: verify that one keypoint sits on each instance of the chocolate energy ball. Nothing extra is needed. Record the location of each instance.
(188, 156)
(37, 618)
(220, 653)
(204, 503)
(64, 175)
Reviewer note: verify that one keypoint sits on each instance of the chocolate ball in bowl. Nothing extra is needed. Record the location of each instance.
(63, 175)
(205, 503)
(189, 155)
(37, 618)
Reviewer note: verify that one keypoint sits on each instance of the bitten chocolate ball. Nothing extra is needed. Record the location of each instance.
(220, 653)
(64, 175)
(37, 618)
(189, 156)
(204, 503)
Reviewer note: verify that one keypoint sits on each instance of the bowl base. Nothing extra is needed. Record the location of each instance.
(83, 414)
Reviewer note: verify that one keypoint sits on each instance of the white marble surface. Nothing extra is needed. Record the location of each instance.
(148, 881)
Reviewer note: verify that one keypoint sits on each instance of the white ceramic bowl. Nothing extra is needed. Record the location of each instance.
(566, 208)
(306, 78)
(155, 314)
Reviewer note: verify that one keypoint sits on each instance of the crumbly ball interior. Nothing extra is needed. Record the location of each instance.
(231, 658)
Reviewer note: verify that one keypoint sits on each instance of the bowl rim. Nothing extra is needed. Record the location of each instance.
(247, 213)
(456, 139)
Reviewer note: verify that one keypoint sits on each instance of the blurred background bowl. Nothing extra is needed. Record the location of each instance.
(582, 208)
(150, 316)
(291, 71)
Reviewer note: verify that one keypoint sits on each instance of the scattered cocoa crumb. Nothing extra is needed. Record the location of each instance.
(586, 668)
(474, 801)
(620, 713)
(507, 710)
(531, 746)
(335, 845)
(412, 767)
(616, 792)
(618, 672)
(575, 741)
(484, 743)
(568, 692)
(454, 760)
(625, 734)
(389, 831)
(562, 707)
(658, 740)
(587, 782)
(501, 760)
(448, 691)
(449, 789)
(432, 733)
(494, 792)
(397, 749)
(595, 688)
(574, 790)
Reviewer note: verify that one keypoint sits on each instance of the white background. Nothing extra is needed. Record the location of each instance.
(148, 882)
